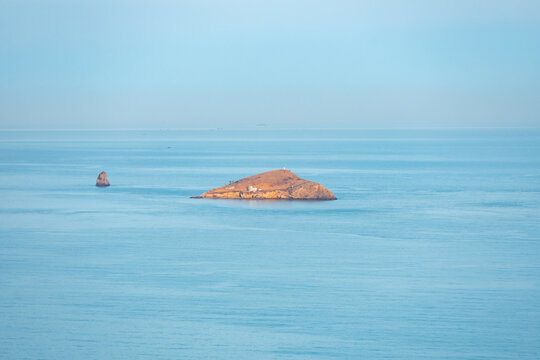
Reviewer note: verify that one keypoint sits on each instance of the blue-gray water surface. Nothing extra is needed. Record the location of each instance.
(432, 250)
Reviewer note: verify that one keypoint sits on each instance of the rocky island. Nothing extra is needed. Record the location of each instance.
(276, 184)
(102, 179)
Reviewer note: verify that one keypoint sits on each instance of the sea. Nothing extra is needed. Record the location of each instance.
(432, 250)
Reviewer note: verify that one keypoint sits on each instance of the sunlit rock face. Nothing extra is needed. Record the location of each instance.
(102, 179)
(276, 184)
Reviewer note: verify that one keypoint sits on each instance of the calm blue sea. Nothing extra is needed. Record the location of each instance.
(431, 252)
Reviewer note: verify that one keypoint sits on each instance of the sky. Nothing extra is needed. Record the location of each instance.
(132, 64)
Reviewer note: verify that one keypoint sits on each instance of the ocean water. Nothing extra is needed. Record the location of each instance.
(432, 250)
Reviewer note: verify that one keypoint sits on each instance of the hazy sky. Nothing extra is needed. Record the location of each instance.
(286, 63)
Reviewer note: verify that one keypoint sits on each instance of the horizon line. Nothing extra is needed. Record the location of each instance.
(263, 128)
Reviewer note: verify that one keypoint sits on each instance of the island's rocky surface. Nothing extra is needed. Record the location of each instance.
(276, 184)
(102, 179)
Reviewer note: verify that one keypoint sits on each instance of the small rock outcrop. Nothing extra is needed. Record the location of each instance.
(276, 184)
(102, 179)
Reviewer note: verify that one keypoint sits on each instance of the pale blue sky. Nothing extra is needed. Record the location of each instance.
(199, 64)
